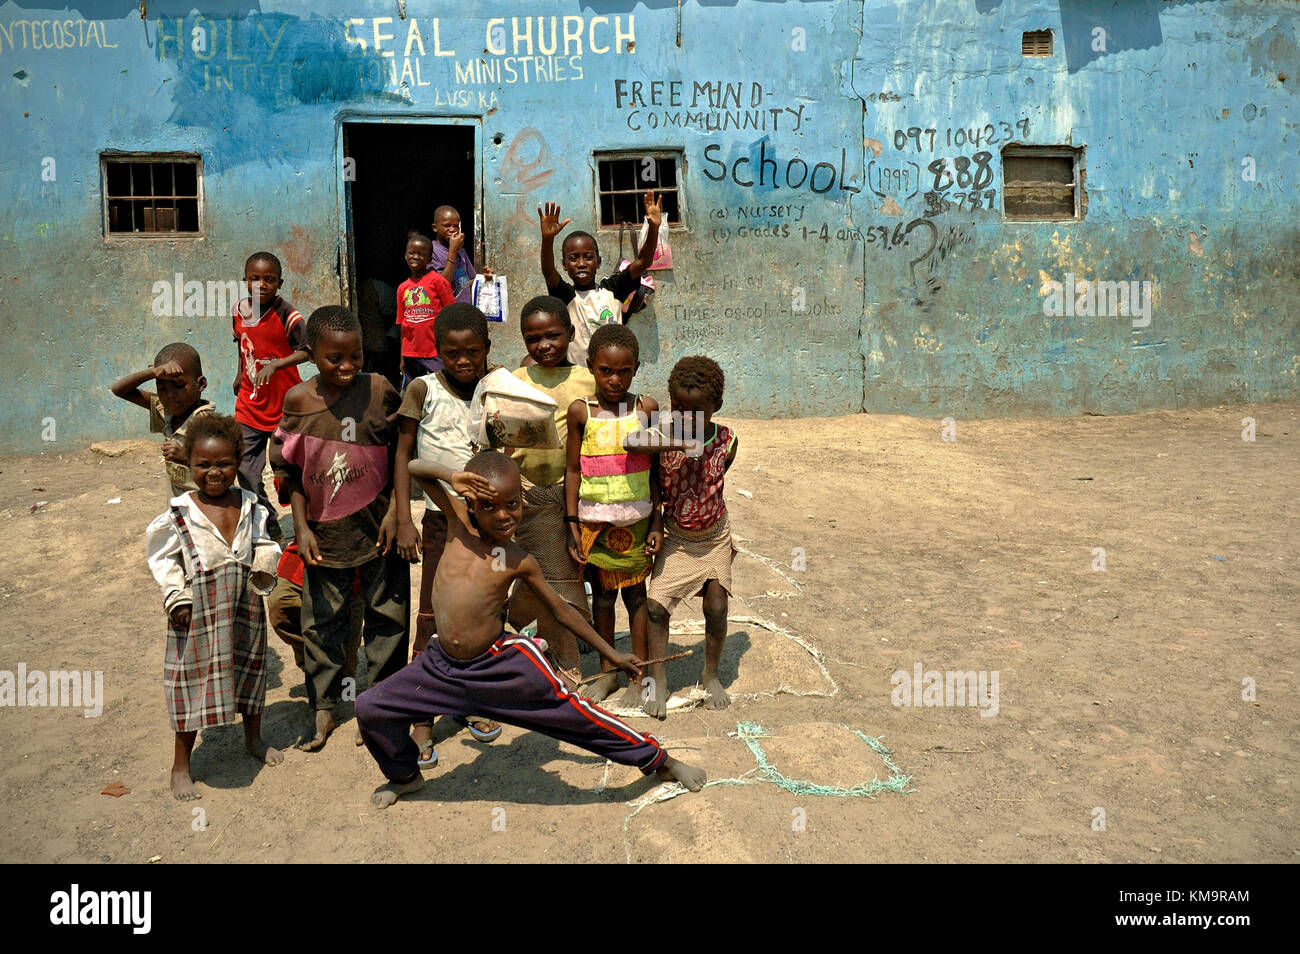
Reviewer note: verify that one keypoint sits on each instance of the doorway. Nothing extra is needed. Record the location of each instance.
(395, 173)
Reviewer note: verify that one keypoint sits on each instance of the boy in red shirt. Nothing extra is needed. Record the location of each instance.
(419, 299)
(271, 337)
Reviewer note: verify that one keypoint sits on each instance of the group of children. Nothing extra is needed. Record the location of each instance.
(629, 502)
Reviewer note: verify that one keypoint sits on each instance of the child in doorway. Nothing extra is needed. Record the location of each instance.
(419, 299)
(474, 665)
(548, 330)
(212, 559)
(270, 338)
(178, 371)
(611, 501)
(433, 424)
(697, 550)
(592, 304)
(450, 258)
(333, 457)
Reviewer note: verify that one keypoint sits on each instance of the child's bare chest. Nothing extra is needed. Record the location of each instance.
(223, 516)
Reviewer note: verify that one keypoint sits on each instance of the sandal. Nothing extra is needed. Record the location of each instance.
(480, 735)
(428, 757)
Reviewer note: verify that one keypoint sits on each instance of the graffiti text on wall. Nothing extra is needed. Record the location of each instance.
(544, 49)
(927, 140)
(712, 105)
(765, 170)
(53, 35)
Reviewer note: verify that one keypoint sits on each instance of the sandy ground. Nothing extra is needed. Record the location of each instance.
(1121, 731)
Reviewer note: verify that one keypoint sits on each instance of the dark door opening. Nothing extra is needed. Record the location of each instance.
(398, 174)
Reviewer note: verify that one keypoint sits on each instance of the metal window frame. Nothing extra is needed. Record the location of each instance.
(675, 153)
(189, 158)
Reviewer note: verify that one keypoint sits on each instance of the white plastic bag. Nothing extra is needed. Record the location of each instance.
(489, 296)
(507, 412)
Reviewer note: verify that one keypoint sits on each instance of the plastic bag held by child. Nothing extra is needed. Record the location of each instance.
(488, 295)
(663, 251)
(507, 412)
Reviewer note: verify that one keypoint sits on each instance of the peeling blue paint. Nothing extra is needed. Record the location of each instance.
(849, 290)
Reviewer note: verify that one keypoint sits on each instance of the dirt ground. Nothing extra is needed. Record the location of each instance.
(1122, 730)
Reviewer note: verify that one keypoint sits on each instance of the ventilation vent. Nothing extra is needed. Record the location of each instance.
(1036, 43)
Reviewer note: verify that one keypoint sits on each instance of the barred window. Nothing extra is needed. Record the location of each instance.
(152, 194)
(623, 177)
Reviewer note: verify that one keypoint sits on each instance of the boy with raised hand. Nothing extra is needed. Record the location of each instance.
(592, 304)
(178, 373)
(474, 666)
(449, 256)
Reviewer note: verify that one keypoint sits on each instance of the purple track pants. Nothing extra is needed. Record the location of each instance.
(512, 682)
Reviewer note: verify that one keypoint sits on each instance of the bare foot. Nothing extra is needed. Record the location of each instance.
(259, 750)
(183, 786)
(715, 697)
(602, 687)
(674, 771)
(385, 795)
(358, 740)
(654, 697)
(629, 698)
(324, 726)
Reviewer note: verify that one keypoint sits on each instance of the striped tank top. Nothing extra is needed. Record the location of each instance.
(615, 486)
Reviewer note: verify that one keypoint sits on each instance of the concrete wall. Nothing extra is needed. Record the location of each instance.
(824, 280)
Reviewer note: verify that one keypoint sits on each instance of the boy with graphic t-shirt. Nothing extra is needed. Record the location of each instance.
(270, 336)
(592, 304)
(419, 299)
(333, 458)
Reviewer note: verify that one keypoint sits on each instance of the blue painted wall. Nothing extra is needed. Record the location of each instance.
(814, 267)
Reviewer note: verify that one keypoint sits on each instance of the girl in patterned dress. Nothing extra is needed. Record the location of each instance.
(612, 504)
(697, 551)
(213, 560)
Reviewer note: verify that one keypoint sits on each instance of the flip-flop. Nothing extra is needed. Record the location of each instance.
(428, 756)
(479, 734)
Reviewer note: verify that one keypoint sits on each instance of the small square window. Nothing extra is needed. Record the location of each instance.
(1041, 183)
(622, 178)
(1036, 43)
(152, 194)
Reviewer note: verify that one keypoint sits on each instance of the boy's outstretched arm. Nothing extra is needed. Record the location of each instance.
(551, 226)
(531, 573)
(646, 256)
(279, 364)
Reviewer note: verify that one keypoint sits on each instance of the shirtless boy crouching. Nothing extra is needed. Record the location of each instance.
(474, 666)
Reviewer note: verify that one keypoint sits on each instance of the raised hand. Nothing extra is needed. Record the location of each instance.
(169, 371)
(653, 210)
(551, 225)
(472, 486)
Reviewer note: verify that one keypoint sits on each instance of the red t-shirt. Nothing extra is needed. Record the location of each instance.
(279, 333)
(418, 303)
